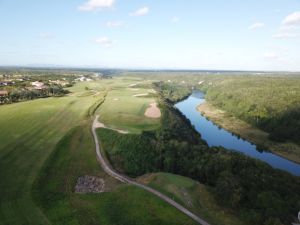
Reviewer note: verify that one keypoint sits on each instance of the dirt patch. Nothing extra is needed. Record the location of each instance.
(153, 111)
(89, 184)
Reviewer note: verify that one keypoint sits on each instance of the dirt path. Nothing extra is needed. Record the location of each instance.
(109, 170)
(98, 124)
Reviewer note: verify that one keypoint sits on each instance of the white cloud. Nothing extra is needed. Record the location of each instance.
(113, 24)
(270, 55)
(256, 26)
(285, 35)
(105, 41)
(140, 12)
(175, 19)
(92, 5)
(292, 19)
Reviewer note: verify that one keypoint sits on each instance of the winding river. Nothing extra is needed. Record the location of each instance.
(215, 136)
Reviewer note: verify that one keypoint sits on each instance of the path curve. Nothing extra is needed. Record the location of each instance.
(109, 170)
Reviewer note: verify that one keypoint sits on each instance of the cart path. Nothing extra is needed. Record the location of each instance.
(109, 170)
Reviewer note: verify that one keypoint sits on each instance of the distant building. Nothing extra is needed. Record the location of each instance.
(43, 87)
(83, 79)
(37, 84)
(59, 82)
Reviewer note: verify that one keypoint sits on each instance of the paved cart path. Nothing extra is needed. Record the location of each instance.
(109, 170)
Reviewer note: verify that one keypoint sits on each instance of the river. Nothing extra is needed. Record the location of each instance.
(215, 136)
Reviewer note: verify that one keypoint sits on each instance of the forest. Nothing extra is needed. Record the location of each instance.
(271, 103)
(252, 189)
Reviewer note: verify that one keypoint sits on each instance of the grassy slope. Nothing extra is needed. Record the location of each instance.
(120, 204)
(29, 131)
(192, 195)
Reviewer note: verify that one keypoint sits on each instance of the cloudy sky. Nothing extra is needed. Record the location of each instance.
(173, 34)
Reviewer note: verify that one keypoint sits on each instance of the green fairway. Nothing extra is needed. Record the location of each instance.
(124, 108)
(29, 132)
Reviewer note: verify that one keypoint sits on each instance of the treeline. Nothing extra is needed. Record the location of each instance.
(173, 93)
(252, 189)
(269, 103)
(22, 94)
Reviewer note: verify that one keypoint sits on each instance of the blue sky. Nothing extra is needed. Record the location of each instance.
(173, 34)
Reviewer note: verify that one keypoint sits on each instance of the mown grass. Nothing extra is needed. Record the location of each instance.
(193, 195)
(120, 204)
(29, 132)
(122, 110)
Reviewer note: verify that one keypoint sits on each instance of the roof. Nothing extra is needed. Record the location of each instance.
(37, 84)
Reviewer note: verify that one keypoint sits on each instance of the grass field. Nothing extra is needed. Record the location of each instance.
(122, 110)
(29, 132)
(119, 204)
(46, 145)
(192, 195)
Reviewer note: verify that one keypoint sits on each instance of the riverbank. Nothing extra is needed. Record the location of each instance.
(242, 129)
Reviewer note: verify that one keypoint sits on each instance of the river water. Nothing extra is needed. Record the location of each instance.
(215, 136)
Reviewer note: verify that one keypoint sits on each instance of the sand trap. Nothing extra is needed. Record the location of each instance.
(116, 99)
(132, 85)
(153, 111)
(134, 89)
(140, 95)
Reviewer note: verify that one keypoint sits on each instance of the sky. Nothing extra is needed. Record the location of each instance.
(152, 34)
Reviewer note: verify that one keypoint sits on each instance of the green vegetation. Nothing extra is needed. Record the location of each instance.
(270, 103)
(124, 108)
(38, 189)
(235, 179)
(46, 145)
(250, 133)
(29, 132)
(74, 156)
(173, 93)
(193, 195)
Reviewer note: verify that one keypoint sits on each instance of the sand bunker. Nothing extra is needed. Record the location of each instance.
(116, 99)
(132, 85)
(153, 111)
(140, 95)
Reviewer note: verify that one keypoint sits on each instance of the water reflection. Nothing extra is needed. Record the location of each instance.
(217, 136)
